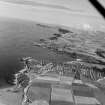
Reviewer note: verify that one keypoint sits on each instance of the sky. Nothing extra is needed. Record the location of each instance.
(71, 13)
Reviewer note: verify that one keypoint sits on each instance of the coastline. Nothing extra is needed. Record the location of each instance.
(49, 21)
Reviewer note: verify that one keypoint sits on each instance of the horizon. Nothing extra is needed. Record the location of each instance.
(70, 14)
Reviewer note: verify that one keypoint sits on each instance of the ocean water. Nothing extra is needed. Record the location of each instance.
(16, 39)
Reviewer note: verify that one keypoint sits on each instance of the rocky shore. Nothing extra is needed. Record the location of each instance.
(88, 46)
(36, 74)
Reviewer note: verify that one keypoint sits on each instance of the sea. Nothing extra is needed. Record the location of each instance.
(16, 41)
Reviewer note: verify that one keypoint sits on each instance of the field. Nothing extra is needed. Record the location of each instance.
(56, 93)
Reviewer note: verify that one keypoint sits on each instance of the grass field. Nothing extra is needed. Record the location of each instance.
(57, 93)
